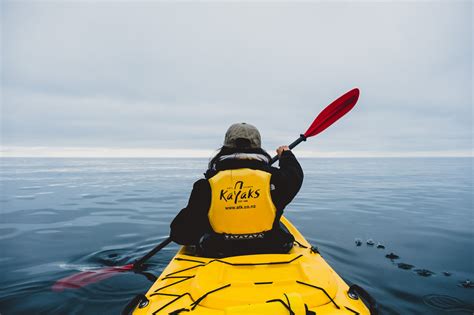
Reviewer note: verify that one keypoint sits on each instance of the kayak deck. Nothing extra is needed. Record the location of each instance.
(300, 282)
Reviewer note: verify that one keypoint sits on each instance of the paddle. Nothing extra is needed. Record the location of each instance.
(326, 118)
(91, 276)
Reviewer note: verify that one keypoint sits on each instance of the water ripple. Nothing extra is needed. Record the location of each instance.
(63, 216)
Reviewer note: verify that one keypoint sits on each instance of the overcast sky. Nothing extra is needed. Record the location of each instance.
(163, 78)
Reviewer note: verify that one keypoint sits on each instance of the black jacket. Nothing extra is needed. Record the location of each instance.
(192, 222)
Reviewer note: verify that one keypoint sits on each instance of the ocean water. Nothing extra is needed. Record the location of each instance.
(61, 216)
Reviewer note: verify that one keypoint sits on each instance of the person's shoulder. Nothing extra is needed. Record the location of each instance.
(287, 161)
(201, 183)
(273, 170)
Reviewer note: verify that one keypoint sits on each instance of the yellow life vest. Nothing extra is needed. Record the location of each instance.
(241, 203)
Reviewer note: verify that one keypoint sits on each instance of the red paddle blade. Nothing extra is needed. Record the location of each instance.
(87, 277)
(333, 112)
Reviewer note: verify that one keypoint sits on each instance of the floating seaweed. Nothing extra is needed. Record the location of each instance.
(392, 256)
(424, 272)
(467, 284)
(405, 266)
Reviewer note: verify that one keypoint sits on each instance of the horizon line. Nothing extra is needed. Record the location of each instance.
(90, 152)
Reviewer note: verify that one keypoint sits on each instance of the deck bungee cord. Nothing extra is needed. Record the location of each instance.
(298, 283)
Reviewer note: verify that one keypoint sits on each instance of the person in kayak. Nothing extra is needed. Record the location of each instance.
(236, 208)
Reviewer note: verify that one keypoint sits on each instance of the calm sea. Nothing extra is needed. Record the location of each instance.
(60, 216)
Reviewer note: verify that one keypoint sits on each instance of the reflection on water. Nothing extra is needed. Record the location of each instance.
(401, 228)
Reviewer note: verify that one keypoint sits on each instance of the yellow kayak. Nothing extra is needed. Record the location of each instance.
(298, 283)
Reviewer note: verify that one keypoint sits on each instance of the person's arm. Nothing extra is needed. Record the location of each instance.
(192, 222)
(287, 179)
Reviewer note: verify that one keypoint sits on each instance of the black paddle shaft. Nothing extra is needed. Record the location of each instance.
(138, 264)
(291, 146)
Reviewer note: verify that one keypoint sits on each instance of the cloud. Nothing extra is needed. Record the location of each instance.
(174, 75)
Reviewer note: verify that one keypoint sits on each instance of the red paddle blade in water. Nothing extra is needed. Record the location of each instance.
(333, 112)
(87, 277)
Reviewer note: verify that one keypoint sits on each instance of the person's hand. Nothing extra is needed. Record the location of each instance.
(282, 148)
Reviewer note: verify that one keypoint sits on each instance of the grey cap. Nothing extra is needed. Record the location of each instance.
(242, 131)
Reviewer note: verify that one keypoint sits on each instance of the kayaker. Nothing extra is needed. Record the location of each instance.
(236, 208)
